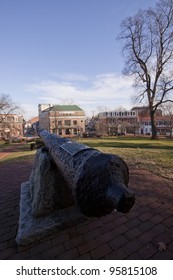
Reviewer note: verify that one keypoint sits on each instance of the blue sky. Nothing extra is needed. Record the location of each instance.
(65, 52)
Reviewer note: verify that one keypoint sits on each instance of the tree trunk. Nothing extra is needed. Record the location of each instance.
(171, 132)
(153, 125)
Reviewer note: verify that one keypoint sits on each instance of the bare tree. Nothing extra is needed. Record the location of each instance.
(167, 109)
(147, 41)
(7, 106)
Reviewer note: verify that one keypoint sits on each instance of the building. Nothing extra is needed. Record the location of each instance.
(11, 126)
(136, 121)
(164, 125)
(143, 111)
(31, 127)
(118, 122)
(64, 120)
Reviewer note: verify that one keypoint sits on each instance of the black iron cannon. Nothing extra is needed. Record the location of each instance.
(98, 181)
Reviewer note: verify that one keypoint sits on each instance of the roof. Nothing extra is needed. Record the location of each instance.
(157, 118)
(33, 120)
(63, 108)
(140, 108)
(10, 115)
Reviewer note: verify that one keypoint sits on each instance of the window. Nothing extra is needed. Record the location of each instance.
(75, 131)
(59, 123)
(74, 122)
(67, 131)
(67, 122)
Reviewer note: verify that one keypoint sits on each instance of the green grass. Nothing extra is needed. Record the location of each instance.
(2, 145)
(16, 152)
(129, 142)
(18, 156)
(139, 152)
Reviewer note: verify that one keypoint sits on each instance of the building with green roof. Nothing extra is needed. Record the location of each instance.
(64, 120)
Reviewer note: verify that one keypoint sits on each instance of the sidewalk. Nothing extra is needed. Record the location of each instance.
(146, 232)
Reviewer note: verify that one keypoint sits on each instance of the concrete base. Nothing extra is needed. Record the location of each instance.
(31, 229)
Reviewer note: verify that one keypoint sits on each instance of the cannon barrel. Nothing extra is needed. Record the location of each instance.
(99, 181)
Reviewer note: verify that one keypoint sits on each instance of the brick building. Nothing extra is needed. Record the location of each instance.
(137, 121)
(64, 120)
(118, 122)
(164, 125)
(11, 125)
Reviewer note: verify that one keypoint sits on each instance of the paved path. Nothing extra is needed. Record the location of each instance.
(146, 232)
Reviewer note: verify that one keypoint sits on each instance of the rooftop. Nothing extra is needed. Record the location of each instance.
(63, 108)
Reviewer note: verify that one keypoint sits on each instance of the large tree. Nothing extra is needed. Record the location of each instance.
(7, 106)
(147, 40)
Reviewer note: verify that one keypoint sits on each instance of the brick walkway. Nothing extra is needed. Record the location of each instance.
(146, 232)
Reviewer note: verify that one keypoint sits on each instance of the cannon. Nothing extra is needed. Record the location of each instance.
(98, 181)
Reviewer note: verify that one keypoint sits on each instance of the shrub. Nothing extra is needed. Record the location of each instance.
(39, 143)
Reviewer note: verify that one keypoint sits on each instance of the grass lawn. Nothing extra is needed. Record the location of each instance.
(140, 152)
(16, 152)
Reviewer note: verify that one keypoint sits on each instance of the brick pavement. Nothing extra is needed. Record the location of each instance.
(135, 235)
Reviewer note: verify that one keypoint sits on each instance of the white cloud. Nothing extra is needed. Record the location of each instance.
(105, 90)
(69, 76)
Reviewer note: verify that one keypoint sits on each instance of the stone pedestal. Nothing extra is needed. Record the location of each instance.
(33, 228)
(46, 202)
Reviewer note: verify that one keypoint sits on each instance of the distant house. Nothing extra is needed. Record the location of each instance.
(64, 120)
(118, 122)
(143, 111)
(31, 127)
(137, 121)
(11, 125)
(33, 120)
(164, 125)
